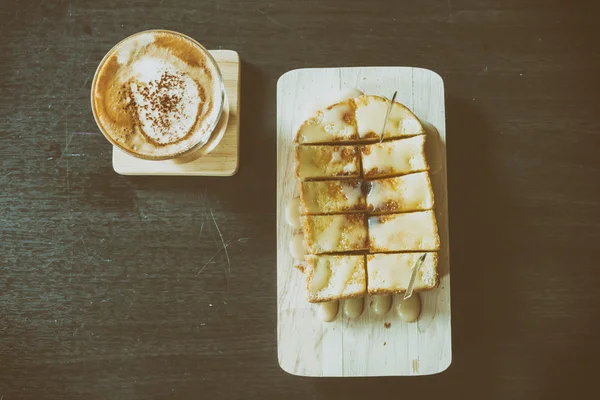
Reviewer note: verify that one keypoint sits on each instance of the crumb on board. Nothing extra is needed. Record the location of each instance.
(415, 365)
(387, 325)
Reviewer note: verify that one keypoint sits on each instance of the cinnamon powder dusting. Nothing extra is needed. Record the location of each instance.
(163, 103)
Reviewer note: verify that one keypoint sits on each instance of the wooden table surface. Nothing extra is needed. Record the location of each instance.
(117, 287)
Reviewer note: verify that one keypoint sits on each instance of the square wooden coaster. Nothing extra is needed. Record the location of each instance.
(223, 160)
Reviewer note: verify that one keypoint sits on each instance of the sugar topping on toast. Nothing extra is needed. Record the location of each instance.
(395, 157)
(405, 193)
(360, 119)
(390, 273)
(335, 233)
(332, 196)
(336, 277)
(415, 231)
(320, 162)
(366, 200)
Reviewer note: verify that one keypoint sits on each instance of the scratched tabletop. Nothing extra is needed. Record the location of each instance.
(117, 287)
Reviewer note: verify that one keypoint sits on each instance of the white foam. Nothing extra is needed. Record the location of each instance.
(128, 49)
(170, 125)
(148, 69)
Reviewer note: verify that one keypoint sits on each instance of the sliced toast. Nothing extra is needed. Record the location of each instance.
(390, 273)
(335, 233)
(330, 197)
(370, 115)
(359, 120)
(395, 157)
(335, 123)
(415, 231)
(405, 193)
(319, 162)
(335, 277)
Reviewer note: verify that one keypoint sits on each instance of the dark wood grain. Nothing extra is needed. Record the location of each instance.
(115, 287)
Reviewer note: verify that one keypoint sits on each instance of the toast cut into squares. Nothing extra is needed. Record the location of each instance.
(335, 233)
(370, 115)
(335, 123)
(390, 273)
(359, 119)
(335, 277)
(405, 193)
(395, 157)
(415, 231)
(318, 162)
(329, 197)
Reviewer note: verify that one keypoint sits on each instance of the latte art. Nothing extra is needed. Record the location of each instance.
(166, 106)
(158, 94)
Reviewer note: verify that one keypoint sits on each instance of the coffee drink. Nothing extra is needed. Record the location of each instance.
(158, 95)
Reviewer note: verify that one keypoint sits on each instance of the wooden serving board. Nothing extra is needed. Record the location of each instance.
(223, 160)
(365, 346)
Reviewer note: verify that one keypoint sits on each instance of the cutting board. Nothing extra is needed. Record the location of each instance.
(370, 345)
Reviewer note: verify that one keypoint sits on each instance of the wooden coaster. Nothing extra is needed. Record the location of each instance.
(224, 159)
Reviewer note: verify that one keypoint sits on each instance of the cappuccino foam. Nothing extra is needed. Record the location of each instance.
(157, 94)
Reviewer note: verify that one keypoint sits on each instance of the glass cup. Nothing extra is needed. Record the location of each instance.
(186, 149)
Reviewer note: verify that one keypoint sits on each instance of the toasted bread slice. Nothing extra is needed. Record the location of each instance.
(329, 197)
(317, 162)
(335, 233)
(335, 123)
(401, 194)
(359, 119)
(396, 157)
(415, 231)
(335, 277)
(390, 273)
(370, 115)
